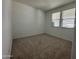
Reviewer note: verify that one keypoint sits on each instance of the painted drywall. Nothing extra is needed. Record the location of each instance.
(26, 20)
(65, 33)
(6, 29)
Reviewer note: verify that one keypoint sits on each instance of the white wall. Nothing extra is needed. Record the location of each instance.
(6, 29)
(64, 33)
(26, 20)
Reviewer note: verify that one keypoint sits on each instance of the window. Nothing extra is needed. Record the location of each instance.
(56, 19)
(67, 19)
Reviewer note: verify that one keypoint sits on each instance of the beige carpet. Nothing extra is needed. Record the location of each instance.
(41, 46)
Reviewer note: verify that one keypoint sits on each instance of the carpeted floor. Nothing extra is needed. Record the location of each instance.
(41, 46)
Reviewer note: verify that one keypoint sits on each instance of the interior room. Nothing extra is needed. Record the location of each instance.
(39, 29)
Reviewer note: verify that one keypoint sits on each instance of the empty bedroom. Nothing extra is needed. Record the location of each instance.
(42, 29)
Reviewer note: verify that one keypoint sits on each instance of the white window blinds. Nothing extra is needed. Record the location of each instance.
(56, 19)
(68, 17)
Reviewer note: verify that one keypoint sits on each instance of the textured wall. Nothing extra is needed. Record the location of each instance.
(26, 20)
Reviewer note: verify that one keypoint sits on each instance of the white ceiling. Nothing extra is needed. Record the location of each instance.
(45, 4)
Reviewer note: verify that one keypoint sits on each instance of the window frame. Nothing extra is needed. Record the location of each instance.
(61, 20)
(52, 19)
